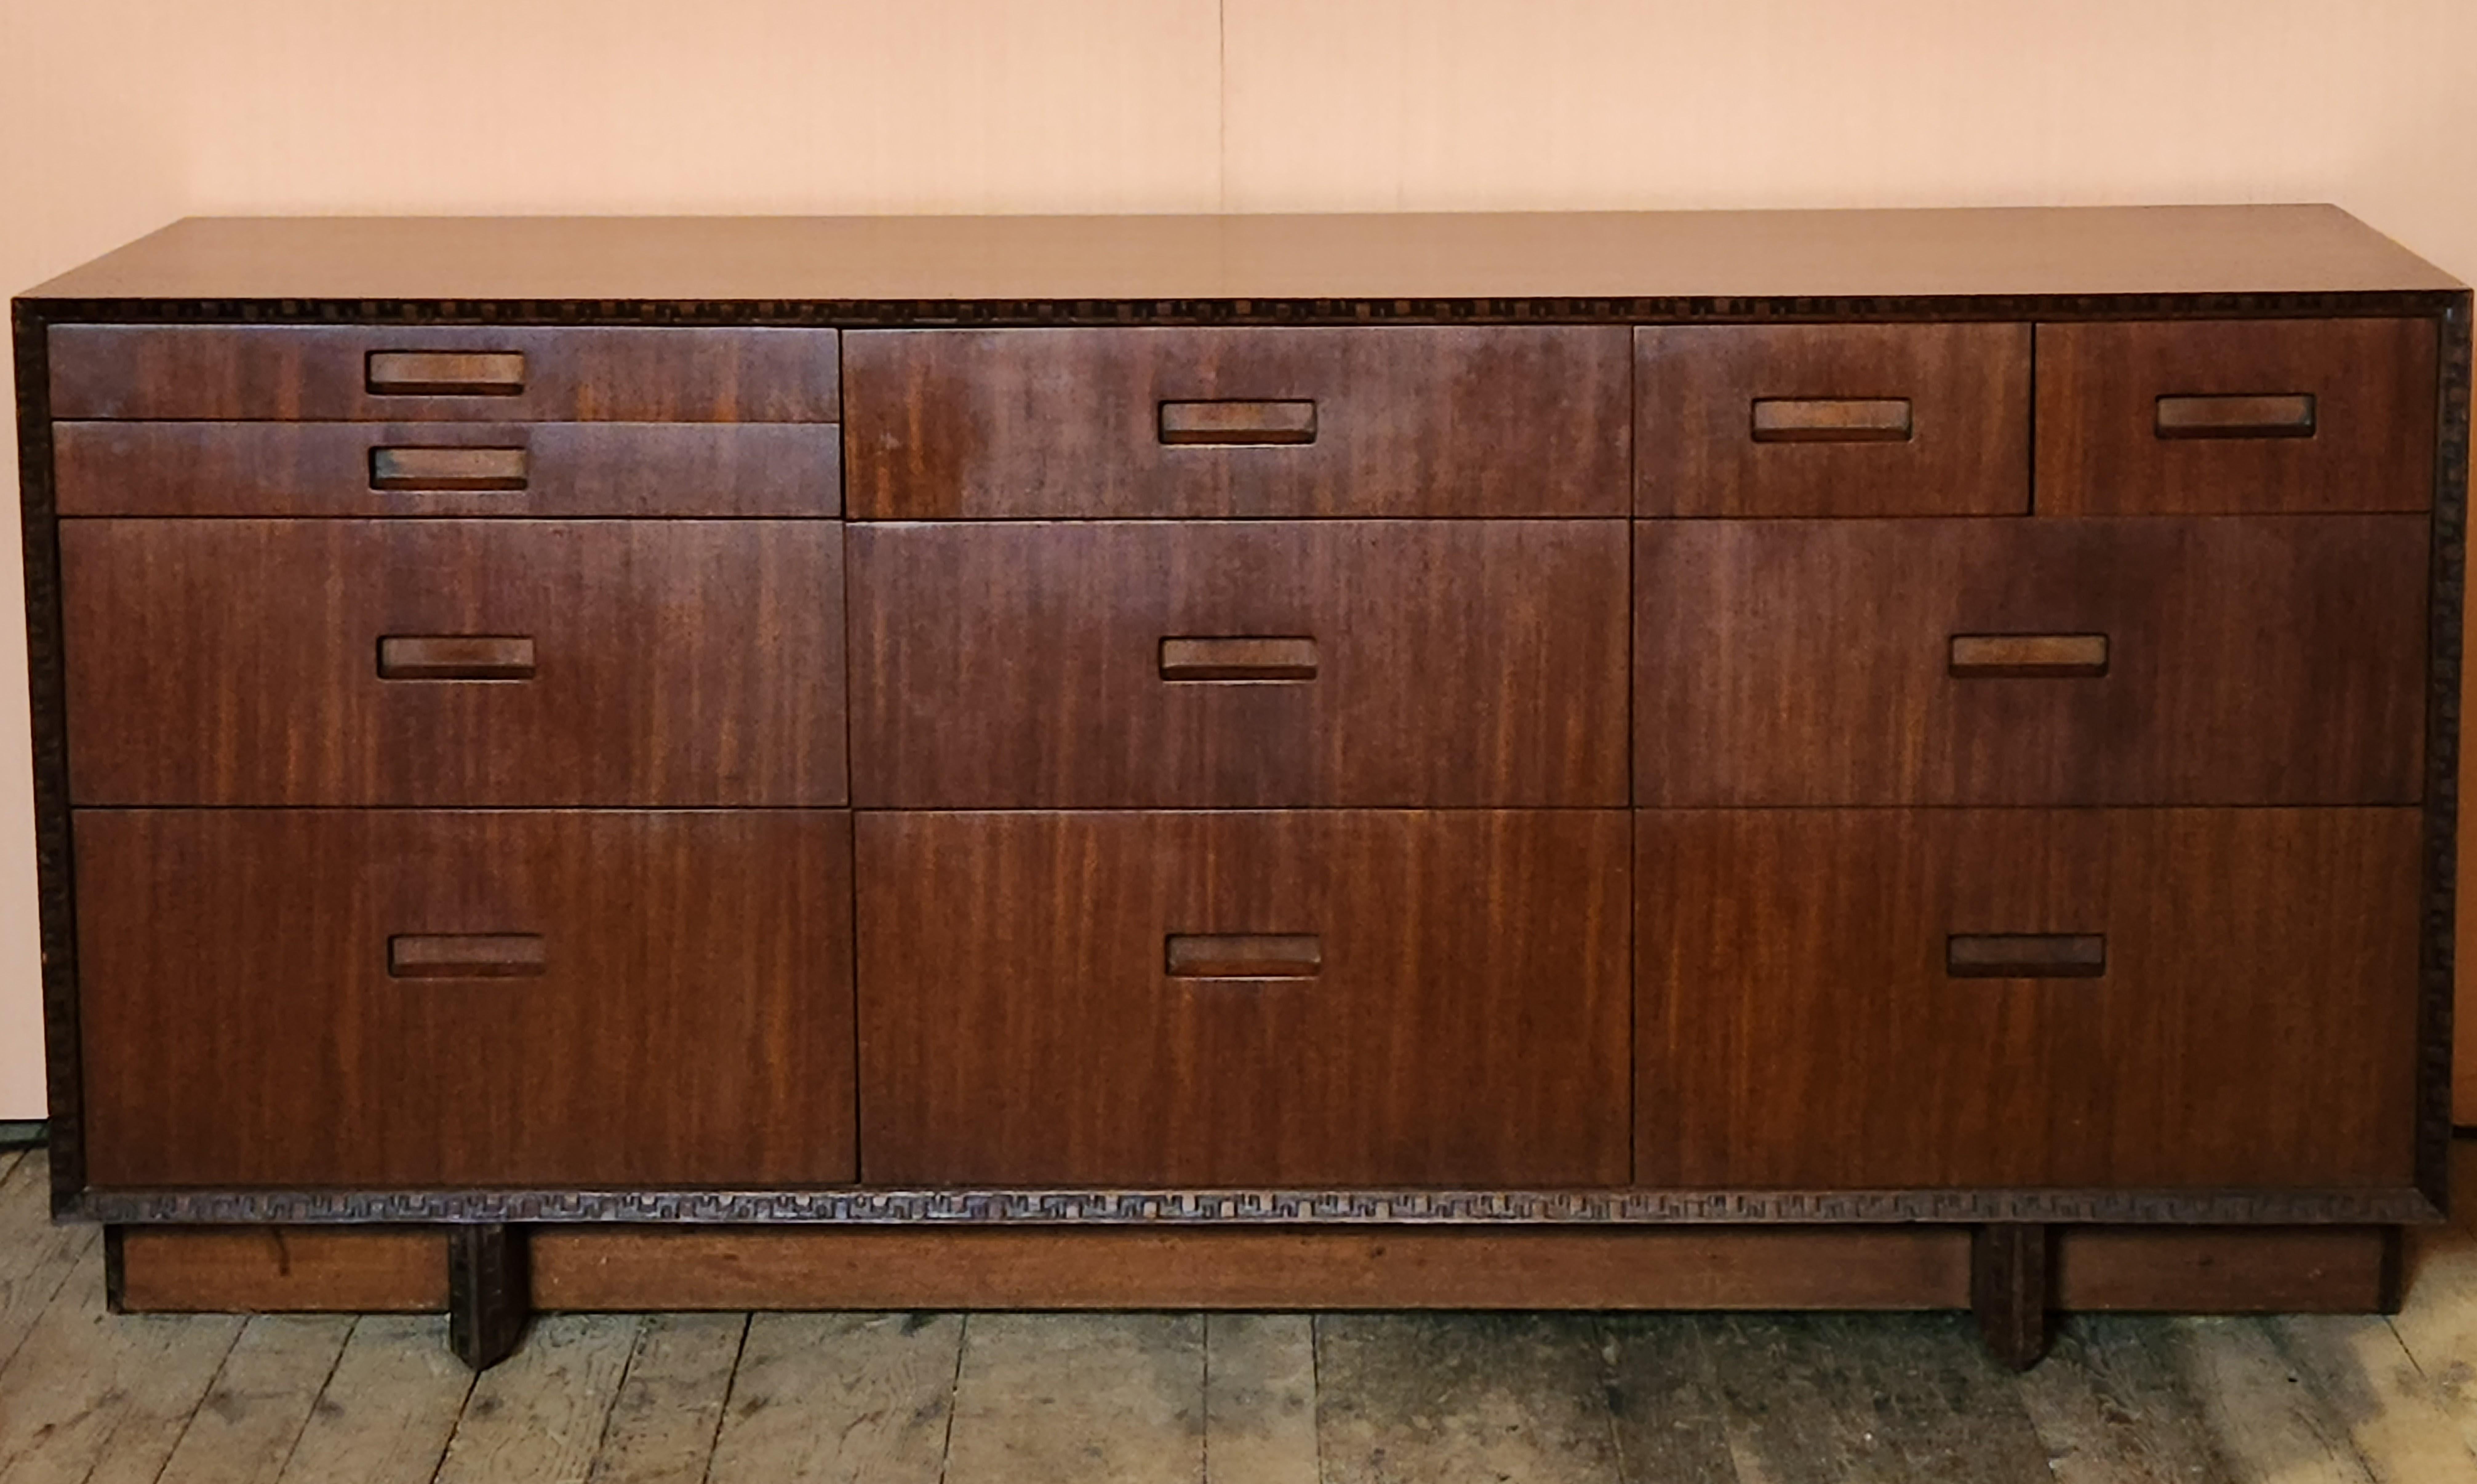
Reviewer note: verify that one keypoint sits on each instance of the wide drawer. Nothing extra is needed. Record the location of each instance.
(2119, 998)
(1110, 664)
(418, 373)
(1477, 420)
(454, 662)
(1300, 999)
(1832, 419)
(2213, 416)
(2230, 660)
(377, 997)
(379, 468)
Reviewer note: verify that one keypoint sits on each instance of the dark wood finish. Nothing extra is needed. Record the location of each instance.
(1797, 1027)
(1239, 659)
(2188, 1270)
(468, 956)
(282, 1270)
(570, 373)
(2112, 442)
(428, 470)
(2007, 1291)
(1244, 955)
(1499, 421)
(1130, 263)
(1238, 422)
(568, 469)
(489, 1293)
(457, 657)
(691, 1021)
(2025, 955)
(1467, 1024)
(235, 661)
(2249, 662)
(2027, 656)
(1458, 662)
(1832, 419)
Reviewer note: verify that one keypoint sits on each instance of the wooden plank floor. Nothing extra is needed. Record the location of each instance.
(86, 1398)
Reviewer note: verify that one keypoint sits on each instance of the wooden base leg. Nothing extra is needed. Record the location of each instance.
(2008, 1289)
(489, 1293)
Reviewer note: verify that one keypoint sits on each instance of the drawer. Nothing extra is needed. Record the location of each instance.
(1835, 999)
(381, 997)
(1106, 665)
(2232, 416)
(379, 468)
(1832, 419)
(2226, 660)
(1325, 997)
(454, 662)
(1480, 420)
(420, 373)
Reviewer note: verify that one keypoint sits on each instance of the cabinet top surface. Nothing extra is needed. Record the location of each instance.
(1986, 252)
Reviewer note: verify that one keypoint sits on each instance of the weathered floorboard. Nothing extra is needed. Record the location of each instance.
(2395, 1417)
(1877, 1397)
(1403, 1398)
(1259, 1417)
(1078, 1398)
(389, 1409)
(1666, 1409)
(538, 1417)
(670, 1404)
(839, 1399)
(244, 1431)
(2266, 1422)
(36, 1255)
(2112, 1405)
(102, 1398)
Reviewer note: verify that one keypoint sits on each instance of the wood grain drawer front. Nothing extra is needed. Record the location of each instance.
(1495, 420)
(2227, 660)
(378, 469)
(455, 662)
(1799, 1025)
(1832, 419)
(2213, 416)
(249, 1020)
(1107, 665)
(477, 373)
(1026, 1020)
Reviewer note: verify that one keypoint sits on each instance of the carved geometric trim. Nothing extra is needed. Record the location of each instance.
(2447, 589)
(1256, 1207)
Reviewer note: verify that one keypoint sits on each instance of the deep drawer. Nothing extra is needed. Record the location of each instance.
(1495, 420)
(1269, 664)
(454, 662)
(1321, 998)
(1832, 419)
(2211, 416)
(479, 373)
(2227, 660)
(368, 469)
(384, 997)
(2135, 998)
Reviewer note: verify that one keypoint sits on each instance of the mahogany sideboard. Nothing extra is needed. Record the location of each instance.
(1871, 759)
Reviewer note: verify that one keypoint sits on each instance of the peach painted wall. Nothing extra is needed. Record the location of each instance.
(117, 115)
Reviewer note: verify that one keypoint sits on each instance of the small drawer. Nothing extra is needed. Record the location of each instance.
(466, 373)
(1832, 419)
(1408, 421)
(2235, 416)
(1322, 997)
(455, 662)
(378, 469)
(384, 997)
(1873, 999)
(2225, 661)
(1110, 664)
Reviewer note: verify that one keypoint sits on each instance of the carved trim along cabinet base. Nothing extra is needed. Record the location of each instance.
(1811, 759)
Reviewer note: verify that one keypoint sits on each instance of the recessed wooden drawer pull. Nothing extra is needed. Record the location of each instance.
(1238, 422)
(446, 373)
(465, 955)
(454, 657)
(448, 469)
(2025, 955)
(1244, 955)
(2241, 416)
(1239, 659)
(2028, 656)
(1832, 419)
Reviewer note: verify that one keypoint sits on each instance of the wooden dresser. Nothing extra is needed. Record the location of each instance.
(1872, 760)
